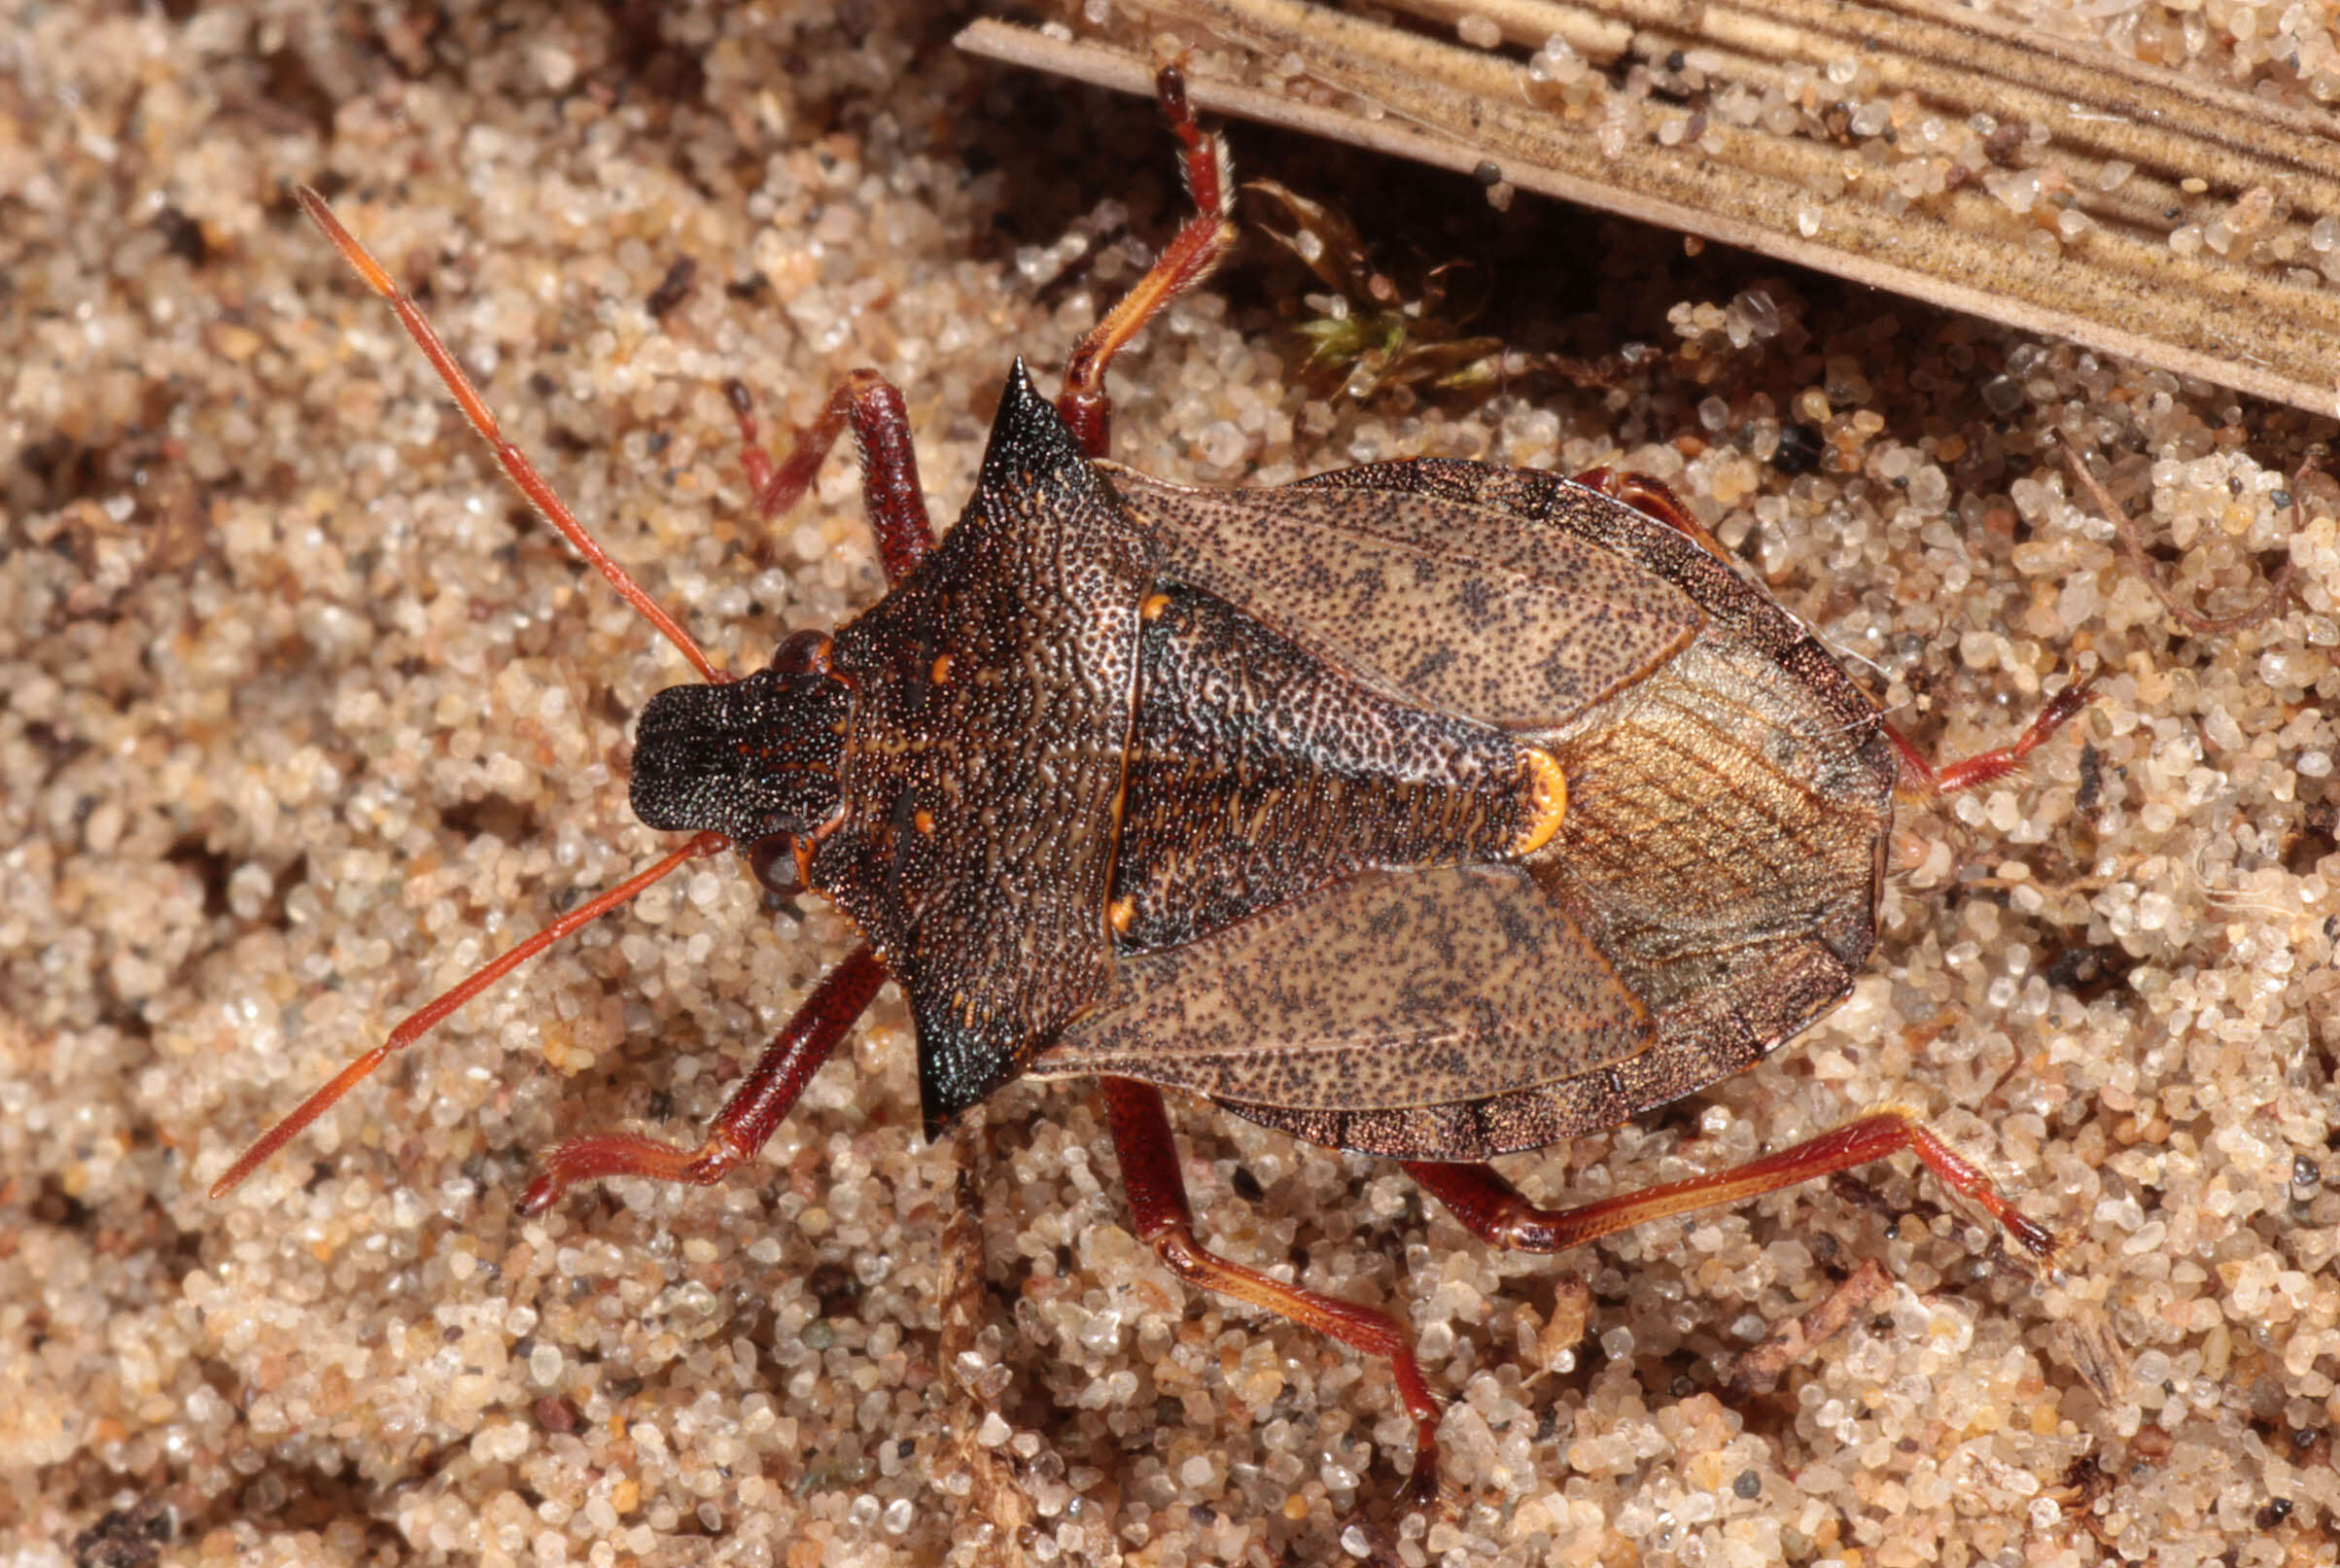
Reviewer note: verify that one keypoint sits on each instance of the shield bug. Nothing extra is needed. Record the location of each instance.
(1428, 809)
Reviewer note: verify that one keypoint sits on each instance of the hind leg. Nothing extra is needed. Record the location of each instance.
(1492, 1210)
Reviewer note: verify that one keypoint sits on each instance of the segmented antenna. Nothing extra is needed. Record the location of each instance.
(549, 505)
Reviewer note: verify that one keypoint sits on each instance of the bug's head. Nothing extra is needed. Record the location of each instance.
(755, 759)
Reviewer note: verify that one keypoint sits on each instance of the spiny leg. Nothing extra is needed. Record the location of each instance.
(890, 488)
(1492, 1210)
(748, 1120)
(1149, 1173)
(421, 1022)
(515, 464)
(1201, 244)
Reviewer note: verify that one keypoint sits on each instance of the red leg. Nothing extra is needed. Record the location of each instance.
(1198, 247)
(1651, 499)
(1149, 1172)
(1492, 1210)
(1921, 779)
(898, 515)
(421, 1022)
(889, 489)
(746, 1121)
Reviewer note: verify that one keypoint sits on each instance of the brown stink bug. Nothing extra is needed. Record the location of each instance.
(1428, 810)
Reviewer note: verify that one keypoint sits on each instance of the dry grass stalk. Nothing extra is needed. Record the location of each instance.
(1909, 145)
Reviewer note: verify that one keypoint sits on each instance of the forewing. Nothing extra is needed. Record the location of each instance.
(1729, 788)
(1383, 1011)
(1467, 608)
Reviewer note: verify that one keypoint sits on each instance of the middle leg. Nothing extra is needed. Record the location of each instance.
(1653, 498)
(1201, 244)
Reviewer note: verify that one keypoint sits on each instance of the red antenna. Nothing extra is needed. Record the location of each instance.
(423, 1020)
(531, 484)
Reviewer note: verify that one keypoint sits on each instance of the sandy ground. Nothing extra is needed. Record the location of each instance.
(303, 716)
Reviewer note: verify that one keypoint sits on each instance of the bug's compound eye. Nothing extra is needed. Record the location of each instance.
(773, 860)
(801, 653)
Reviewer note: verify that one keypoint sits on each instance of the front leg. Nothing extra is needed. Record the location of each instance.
(748, 1120)
(890, 488)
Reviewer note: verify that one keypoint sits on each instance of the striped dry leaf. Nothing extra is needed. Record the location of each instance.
(1913, 144)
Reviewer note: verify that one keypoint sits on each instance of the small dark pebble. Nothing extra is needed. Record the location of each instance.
(183, 235)
(2092, 777)
(1799, 449)
(1749, 1486)
(556, 1415)
(127, 1538)
(674, 287)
